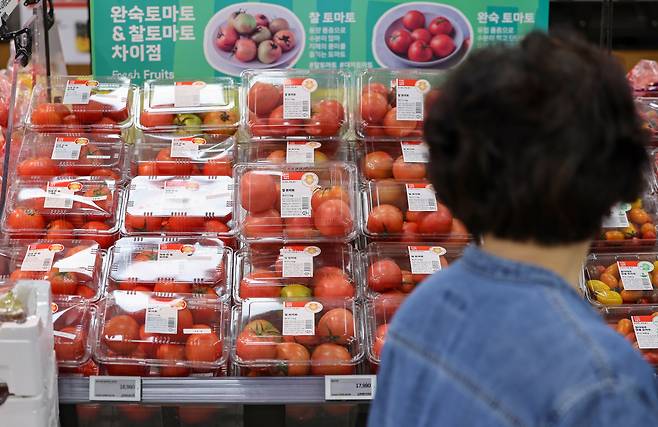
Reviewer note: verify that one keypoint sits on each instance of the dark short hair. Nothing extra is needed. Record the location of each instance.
(536, 142)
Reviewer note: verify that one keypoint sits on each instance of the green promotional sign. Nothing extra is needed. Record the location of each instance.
(186, 39)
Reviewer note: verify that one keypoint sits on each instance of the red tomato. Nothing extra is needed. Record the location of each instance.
(183, 224)
(419, 51)
(118, 116)
(106, 173)
(384, 275)
(439, 222)
(95, 196)
(260, 284)
(37, 166)
(389, 192)
(413, 20)
(67, 349)
(336, 325)
(387, 304)
(410, 232)
(201, 415)
(218, 167)
(203, 347)
(399, 42)
(85, 292)
(324, 123)
(408, 171)
(152, 120)
(332, 106)
(374, 107)
(258, 340)
(385, 219)
(88, 113)
(321, 195)
(442, 45)
(280, 126)
(333, 218)
(147, 169)
(105, 240)
(330, 286)
(172, 353)
(47, 114)
(258, 192)
(224, 122)
(421, 34)
(380, 337)
(296, 358)
(263, 224)
(263, 98)
(143, 223)
(331, 359)
(440, 25)
(120, 334)
(299, 228)
(376, 87)
(24, 275)
(215, 226)
(70, 120)
(63, 283)
(398, 128)
(25, 219)
(131, 370)
(167, 165)
(378, 165)
(58, 225)
(137, 413)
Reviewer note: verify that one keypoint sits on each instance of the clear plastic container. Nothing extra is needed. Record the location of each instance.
(379, 313)
(612, 279)
(280, 152)
(392, 104)
(407, 211)
(298, 104)
(78, 104)
(73, 267)
(166, 335)
(399, 268)
(177, 265)
(629, 225)
(88, 154)
(183, 155)
(323, 271)
(637, 325)
(296, 203)
(183, 205)
(63, 208)
(73, 324)
(648, 110)
(208, 106)
(402, 161)
(297, 337)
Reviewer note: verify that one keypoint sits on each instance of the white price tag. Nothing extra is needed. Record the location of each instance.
(421, 198)
(40, 256)
(161, 319)
(60, 195)
(410, 99)
(64, 335)
(299, 317)
(186, 147)
(425, 259)
(635, 275)
(298, 260)
(121, 389)
(618, 217)
(301, 151)
(67, 148)
(350, 387)
(78, 91)
(646, 331)
(296, 191)
(188, 94)
(174, 252)
(297, 98)
(415, 152)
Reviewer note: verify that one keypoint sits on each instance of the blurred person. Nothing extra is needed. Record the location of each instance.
(530, 145)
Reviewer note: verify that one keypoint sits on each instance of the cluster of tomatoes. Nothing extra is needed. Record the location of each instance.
(267, 119)
(100, 117)
(381, 165)
(606, 286)
(212, 122)
(72, 322)
(380, 312)
(265, 351)
(385, 275)
(624, 327)
(641, 227)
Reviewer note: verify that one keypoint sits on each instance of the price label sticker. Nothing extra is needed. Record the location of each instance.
(68, 148)
(188, 94)
(296, 191)
(425, 259)
(161, 319)
(301, 151)
(65, 335)
(410, 99)
(635, 275)
(175, 252)
(121, 389)
(618, 217)
(297, 98)
(299, 317)
(59, 195)
(186, 147)
(646, 331)
(421, 198)
(78, 91)
(298, 260)
(350, 387)
(40, 256)
(415, 152)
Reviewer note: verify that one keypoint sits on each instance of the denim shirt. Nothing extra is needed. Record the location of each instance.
(492, 342)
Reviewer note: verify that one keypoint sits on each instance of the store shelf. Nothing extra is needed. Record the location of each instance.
(211, 390)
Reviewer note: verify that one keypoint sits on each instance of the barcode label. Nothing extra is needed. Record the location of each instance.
(410, 99)
(298, 262)
(350, 387)
(39, 257)
(421, 198)
(78, 91)
(425, 259)
(415, 152)
(296, 191)
(298, 318)
(635, 275)
(297, 99)
(185, 147)
(646, 331)
(66, 148)
(301, 152)
(618, 217)
(161, 319)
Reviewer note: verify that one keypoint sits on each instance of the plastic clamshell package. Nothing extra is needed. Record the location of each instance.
(166, 335)
(379, 313)
(407, 211)
(77, 104)
(392, 104)
(630, 225)
(182, 155)
(296, 203)
(637, 324)
(73, 267)
(84, 154)
(303, 270)
(209, 106)
(402, 160)
(201, 266)
(648, 110)
(297, 337)
(294, 151)
(298, 104)
(73, 323)
(63, 207)
(399, 267)
(179, 205)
